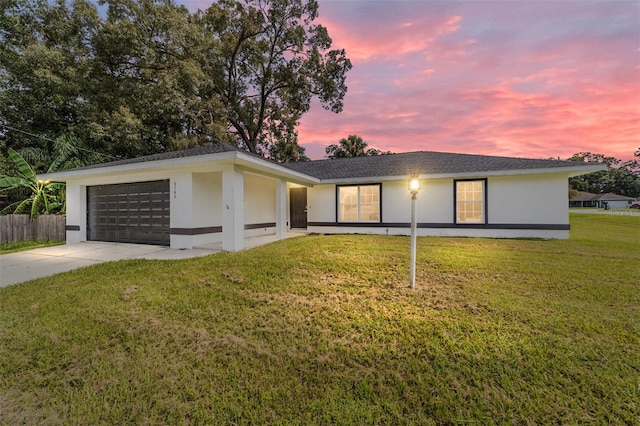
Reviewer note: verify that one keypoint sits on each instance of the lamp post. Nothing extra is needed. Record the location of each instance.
(414, 187)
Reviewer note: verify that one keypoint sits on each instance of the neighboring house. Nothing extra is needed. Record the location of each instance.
(218, 193)
(587, 199)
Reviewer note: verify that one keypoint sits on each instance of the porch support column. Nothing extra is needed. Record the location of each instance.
(232, 209)
(181, 189)
(281, 209)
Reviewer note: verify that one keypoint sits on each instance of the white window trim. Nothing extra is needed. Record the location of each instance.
(484, 209)
(379, 185)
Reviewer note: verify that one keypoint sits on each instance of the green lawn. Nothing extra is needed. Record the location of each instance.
(26, 245)
(323, 330)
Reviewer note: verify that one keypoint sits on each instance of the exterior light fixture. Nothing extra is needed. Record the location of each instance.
(414, 184)
(414, 188)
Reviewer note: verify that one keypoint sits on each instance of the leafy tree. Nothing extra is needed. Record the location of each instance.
(41, 197)
(287, 150)
(573, 193)
(267, 60)
(45, 54)
(619, 178)
(151, 93)
(352, 146)
(152, 77)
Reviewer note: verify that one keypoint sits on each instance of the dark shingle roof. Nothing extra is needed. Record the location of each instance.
(423, 162)
(192, 152)
(588, 196)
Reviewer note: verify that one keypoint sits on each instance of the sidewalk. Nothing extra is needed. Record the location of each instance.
(28, 265)
(31, 264)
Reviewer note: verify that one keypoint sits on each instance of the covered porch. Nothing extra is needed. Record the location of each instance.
(252, 242)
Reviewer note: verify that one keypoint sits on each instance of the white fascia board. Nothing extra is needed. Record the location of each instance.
(267, 168)
(569, 171)
(208, 162)
(588, 168)
(169, 163)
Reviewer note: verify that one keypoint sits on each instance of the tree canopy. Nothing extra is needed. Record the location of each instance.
(622, 178)
(149, 76)
(351, 146)
(266, 61)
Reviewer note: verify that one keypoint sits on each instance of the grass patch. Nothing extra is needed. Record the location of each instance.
(323, 330)
(26, 245)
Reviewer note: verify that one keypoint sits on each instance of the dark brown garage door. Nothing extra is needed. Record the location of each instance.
(129, 213)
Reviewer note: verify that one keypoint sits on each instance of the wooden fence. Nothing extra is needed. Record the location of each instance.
(18, 227)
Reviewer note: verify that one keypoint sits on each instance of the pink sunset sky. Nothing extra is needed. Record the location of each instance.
(518, 78)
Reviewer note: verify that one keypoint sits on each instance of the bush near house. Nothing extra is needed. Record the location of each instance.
(323, 330)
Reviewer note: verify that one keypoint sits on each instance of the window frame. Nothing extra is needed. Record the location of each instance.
(358, 186)
(485, 202)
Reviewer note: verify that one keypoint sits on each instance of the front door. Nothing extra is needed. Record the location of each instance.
(298, 207)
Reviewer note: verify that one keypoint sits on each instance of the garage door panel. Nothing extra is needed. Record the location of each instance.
(133, 213)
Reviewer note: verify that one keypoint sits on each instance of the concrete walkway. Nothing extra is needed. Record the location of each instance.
(31, 264)
(43, 262)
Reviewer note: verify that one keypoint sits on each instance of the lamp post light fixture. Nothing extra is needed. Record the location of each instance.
(414, 187)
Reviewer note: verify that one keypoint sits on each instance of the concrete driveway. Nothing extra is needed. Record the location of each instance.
(31, 264)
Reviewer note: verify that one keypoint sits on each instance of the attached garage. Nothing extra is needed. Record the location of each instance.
(129, 213)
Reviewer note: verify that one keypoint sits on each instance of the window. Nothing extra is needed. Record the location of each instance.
(470, 201)
(359, 203)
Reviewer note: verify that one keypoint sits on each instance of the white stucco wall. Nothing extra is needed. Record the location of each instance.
(207, 199)
(321, 202)
(181, 198)
(206, 208)
(530, 201)
(260, 204)
(538, 199)
(445, 232)
(76, 198)
(435, 201)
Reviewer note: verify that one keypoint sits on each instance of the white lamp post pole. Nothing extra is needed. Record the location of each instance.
(412, 274)
(414, 187)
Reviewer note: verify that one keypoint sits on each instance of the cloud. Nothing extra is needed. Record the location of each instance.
(368, 37)
(526, 79)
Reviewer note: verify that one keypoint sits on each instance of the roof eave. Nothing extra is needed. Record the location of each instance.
(254, 163)
(235, 157)
(586, 169)
(65, 176)
(570, 171)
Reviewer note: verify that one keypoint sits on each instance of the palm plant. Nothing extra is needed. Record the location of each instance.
(352, 146)
(43, 196)
(65, 150)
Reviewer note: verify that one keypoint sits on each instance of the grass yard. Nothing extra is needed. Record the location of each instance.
(323, 330)
(26, 245)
